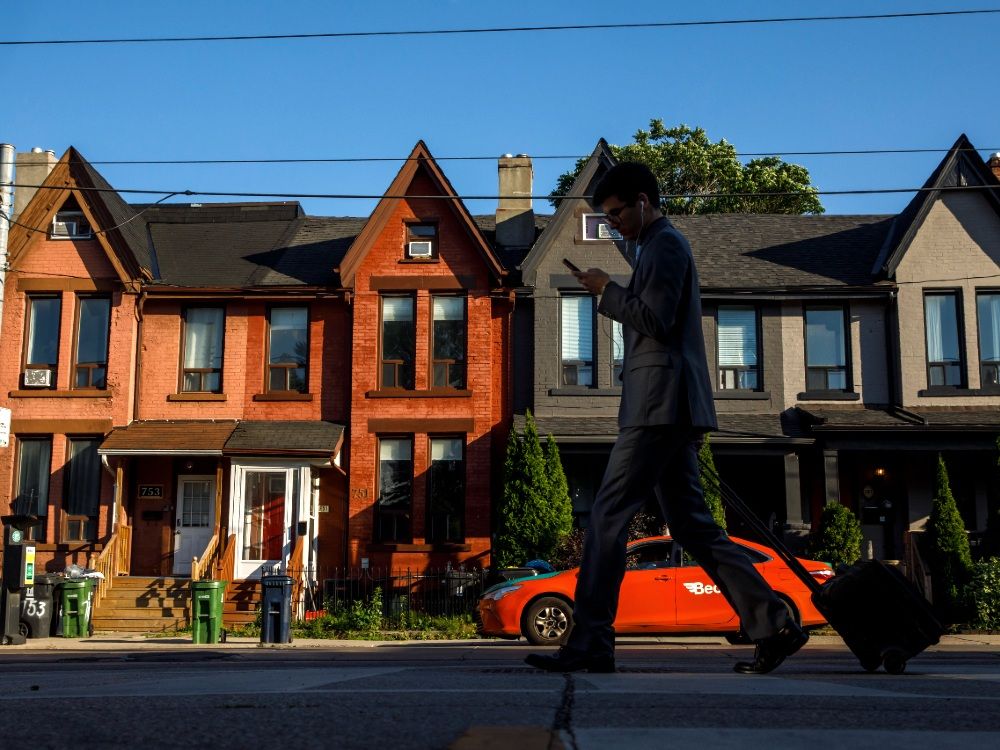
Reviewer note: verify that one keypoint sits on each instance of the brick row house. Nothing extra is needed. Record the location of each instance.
(847, 352)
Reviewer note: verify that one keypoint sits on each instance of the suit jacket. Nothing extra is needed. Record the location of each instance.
(665, 378)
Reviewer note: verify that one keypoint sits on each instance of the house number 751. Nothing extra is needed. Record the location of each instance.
(359, 493)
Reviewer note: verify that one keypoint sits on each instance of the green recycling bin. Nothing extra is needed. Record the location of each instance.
(206, 610)
(75, 597)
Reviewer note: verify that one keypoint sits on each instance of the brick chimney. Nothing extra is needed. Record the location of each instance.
(30, 168)
(515, 216)
(994, 164)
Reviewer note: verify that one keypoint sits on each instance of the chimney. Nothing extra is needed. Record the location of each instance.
(994, 164)
(31, 169)
(515, 217)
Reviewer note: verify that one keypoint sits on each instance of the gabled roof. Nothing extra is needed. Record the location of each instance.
(961, 166)
(600, 161)
(419, 159)
(116, 225)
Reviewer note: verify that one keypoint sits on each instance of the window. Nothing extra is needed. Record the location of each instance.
(69, 223)
(83, 489)
(398, 338)
(203, 342)
(421, 240)
(395, 494)
(596, 227)
(90, 366)
(826, 349)
(617, 351)
(34, 464)
(739, 358)
(263, 514)
(446, 491)
(288, 349)
(42, 337)
(989, 338)
(578, 340)
(944, 351)
(448, 347)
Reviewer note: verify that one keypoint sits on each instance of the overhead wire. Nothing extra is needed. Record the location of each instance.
(505, 29)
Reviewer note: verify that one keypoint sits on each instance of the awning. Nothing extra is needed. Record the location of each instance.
(914, 419)
(265, 437)
(162, 438)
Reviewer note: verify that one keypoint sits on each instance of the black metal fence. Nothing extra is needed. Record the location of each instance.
(404, 592)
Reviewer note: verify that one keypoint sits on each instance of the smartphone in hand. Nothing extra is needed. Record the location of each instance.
(569, 264)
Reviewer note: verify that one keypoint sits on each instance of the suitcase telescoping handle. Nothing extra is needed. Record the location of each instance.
(735, 502)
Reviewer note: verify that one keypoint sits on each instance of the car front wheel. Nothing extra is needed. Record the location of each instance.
(547, 621)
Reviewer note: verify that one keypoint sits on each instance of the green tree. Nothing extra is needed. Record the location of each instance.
(948, 553)
(686, 161)
(561, 504)
(710, 484)
(838, 539)
(530, 522)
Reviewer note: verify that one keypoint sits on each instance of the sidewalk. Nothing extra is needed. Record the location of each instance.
(131, 642)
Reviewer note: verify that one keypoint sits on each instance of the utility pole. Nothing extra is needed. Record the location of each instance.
(6, 210)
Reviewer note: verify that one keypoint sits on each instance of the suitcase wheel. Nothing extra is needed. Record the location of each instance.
(894, 660)
(871, 665)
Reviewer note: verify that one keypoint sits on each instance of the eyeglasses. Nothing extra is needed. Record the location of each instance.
(614, 213)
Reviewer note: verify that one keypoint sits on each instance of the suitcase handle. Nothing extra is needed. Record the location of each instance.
(735, 502)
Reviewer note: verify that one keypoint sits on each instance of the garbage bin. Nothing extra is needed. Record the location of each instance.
(75, 597)
(36, 607)
(206, 610)
(276, 607)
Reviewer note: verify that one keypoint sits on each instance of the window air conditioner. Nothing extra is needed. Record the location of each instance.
(64, 229)
(37, 378)
(419, 249)
(605, 232)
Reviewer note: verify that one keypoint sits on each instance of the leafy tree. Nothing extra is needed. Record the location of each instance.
(530, 521)
(561, 504)
(686, 161)
(710, 484)
(948, 553)
(838, 539)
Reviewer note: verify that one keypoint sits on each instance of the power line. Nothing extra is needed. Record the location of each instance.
(502, 29)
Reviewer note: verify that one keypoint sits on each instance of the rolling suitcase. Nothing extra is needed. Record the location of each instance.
(882, 618)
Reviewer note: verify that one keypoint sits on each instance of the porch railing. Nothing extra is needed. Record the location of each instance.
(113, 561)
(916, 568)
(201, 565)
(226, 563)
(296, 571)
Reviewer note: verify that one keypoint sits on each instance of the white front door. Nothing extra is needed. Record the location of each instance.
(193, 524)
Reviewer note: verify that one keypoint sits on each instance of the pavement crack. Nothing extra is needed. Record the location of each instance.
(563, 721)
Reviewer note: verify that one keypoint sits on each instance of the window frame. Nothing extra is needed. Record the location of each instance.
(78, 217)
(377, 510)
(32, 533)
(963, 358)
(202, 370)
(617, 366)
(568, 294)
(601, 219)
(428, 504)
(407, 238)
(464, 362)
(845, 309)
(398, 364)
(287, 367)
(76, 345)
(759, 351)
(86, 525)
(983, 364)
(30, 300)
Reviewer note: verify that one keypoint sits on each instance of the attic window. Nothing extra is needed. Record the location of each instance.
(70, 223)
(421, 241)
(596, 227)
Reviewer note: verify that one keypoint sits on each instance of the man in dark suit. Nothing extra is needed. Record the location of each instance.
(666, 408)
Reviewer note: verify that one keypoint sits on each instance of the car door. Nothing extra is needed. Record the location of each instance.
(699, 602)
(646, 600)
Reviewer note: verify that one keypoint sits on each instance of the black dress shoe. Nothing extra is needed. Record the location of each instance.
(570, 660)
(772, 651)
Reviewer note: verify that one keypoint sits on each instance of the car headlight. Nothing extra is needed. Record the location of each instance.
(501, 593)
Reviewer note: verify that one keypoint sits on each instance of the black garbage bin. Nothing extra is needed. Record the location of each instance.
(276, 606)
(36, 607)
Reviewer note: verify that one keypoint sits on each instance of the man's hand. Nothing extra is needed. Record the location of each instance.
(593, 280)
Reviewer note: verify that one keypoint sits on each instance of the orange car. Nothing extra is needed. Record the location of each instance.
(663, 592)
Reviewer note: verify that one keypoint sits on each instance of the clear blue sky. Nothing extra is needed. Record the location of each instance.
(860, 84)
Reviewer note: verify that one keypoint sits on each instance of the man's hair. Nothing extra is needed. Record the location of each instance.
(626, 181)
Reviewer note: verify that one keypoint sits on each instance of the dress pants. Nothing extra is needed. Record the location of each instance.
(664, 460)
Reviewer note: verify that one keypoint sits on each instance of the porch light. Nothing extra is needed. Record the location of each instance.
(880, 472)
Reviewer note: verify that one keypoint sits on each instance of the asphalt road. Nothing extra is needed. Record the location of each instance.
(476, 696)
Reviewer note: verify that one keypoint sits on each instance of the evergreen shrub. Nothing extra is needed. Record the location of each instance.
(838, 539)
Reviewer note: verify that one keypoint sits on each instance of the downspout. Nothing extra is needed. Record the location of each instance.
(6, 211)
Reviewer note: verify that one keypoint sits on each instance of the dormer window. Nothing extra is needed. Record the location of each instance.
(70, 223)
(421, 241)
(596, 227)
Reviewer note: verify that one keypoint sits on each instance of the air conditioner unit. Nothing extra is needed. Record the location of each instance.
(605, 232)
(420, 249)
(37, 378)
(64, 229)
